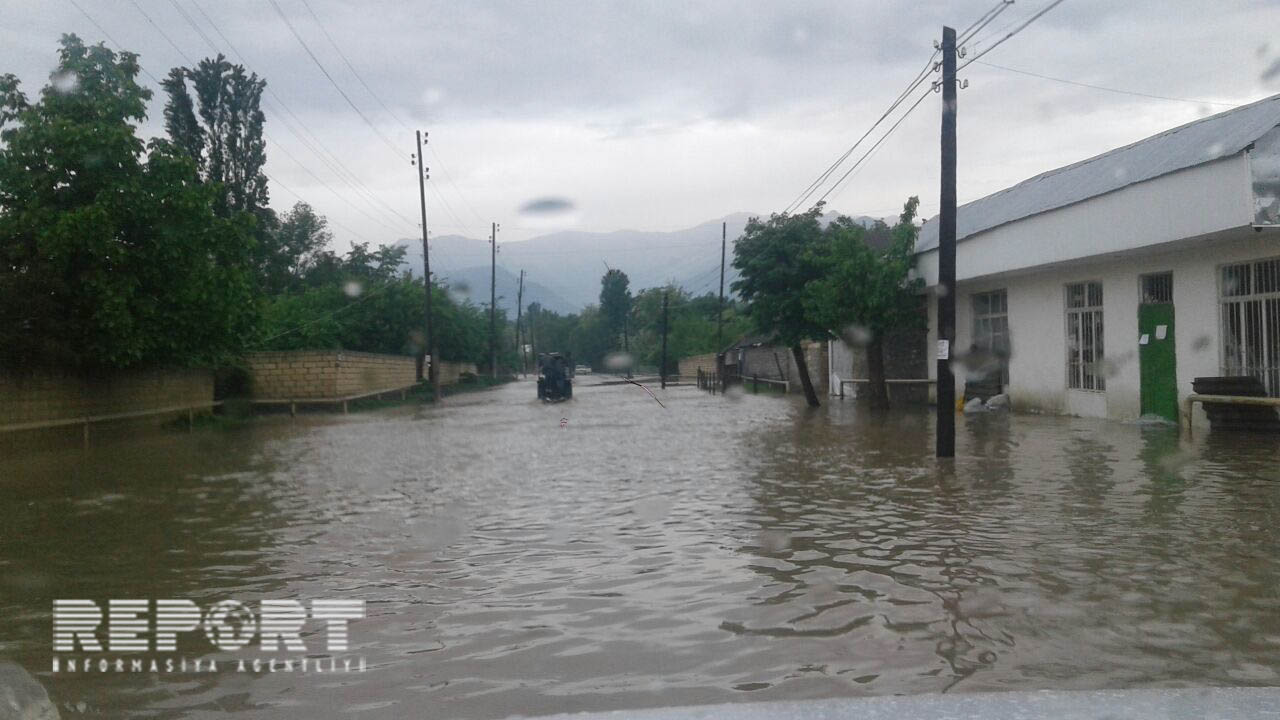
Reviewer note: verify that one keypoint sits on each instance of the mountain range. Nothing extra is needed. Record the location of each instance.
(563, 269)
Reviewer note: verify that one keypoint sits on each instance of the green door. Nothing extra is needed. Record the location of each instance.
(1156, 363)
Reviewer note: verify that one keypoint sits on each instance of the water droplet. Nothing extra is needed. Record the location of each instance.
(65, 81)
(353, 289)
(549, 211)
(1201, 343)
(618, 361)
(857, 335)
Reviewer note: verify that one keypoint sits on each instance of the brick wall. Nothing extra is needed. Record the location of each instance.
(323, 374)
(689, 366)
(40, 397)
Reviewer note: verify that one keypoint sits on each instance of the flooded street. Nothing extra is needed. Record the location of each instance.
(722, 549)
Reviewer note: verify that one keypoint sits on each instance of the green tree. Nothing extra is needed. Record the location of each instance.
(299, 249)
(111, 254)
(615, 302)
(221, 130)
(776, 260)
(866, 290)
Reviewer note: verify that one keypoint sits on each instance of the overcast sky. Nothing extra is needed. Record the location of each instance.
(662, 115)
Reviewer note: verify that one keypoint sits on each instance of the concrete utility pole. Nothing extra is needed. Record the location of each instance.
(720, 310)
(662, 371)
(946, 392)
(493, 301)
(524, 366)
(430, 348)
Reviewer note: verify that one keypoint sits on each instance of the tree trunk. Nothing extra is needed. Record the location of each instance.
(877, 390)
(802, 369)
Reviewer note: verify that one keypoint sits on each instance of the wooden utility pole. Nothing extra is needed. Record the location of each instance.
(493, 301)
(430, 349)
(720, 310)
(524, 366)
(946, 392)
(662, 371)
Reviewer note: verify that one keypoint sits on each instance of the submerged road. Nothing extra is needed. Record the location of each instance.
(607, 553)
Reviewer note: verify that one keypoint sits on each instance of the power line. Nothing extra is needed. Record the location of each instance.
(983, 21)
(314, 145)
(1103, 88)
(813, 186)
(884, 137)
(1013, 32)
(920, 77)
(163, 34)
(294, 193)
(369, 89)
(333, 82)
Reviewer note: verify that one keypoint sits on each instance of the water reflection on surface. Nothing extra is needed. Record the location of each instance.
(726, 548)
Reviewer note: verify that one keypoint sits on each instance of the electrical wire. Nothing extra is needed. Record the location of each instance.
(1013, 32)
(297, 36)
(920, 77)
(1106, 89)
(877, 144)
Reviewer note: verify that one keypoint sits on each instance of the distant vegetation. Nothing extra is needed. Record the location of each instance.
(625, 321)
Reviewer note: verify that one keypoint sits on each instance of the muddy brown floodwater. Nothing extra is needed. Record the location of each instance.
(732, 548)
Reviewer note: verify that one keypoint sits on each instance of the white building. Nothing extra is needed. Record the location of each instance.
(1119, 279)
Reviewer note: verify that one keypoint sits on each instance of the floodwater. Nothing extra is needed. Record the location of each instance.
(607, 553)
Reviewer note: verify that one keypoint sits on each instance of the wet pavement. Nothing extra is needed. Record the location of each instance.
(607, 553)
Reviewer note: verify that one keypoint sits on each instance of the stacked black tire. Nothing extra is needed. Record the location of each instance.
(1223, 416)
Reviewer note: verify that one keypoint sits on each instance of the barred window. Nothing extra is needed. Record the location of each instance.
(1084, 336)
(1251, 322)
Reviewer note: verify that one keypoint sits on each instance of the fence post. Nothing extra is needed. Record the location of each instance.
(755, 383)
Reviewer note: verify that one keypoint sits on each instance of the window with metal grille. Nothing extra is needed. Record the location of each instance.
(1084, 336)
(1157, 288)
(1250, 297)
(991, 328)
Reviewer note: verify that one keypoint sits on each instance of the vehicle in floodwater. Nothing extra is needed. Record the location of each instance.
(555, 375)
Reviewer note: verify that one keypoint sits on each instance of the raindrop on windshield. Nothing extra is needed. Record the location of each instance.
(353, 289)
(618, 361)
(65, 81)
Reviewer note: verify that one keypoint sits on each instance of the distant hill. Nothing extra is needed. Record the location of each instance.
(563, 269)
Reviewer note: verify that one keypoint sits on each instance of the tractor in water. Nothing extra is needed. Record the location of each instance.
(555, 377)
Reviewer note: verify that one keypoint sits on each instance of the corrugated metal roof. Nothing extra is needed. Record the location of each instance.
(1195, 143)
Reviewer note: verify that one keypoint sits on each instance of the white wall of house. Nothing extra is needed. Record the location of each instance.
(1189, 203)
(1037, 321)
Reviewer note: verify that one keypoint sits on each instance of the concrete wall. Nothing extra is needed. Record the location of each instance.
(322, 374)
(41, 397)
(1037, 325)
(689, 366)
(905, 356)
(764, 361)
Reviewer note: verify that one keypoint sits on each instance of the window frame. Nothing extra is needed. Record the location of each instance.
(988, 316)
(1078, 374)
(1267, 307)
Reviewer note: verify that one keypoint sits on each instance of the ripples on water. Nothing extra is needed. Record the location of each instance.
(723, 549)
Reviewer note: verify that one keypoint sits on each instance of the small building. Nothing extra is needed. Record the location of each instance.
(1115, 281)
